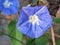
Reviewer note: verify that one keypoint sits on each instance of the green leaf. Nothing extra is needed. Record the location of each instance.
(12, 31)
(57, 20)
(39, 41)
(30, 41)
(58, 42)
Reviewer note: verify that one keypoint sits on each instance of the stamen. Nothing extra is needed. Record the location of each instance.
(34, 19)
(7, 4)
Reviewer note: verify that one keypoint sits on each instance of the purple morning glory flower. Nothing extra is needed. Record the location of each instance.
(8, 7)
(34, 21)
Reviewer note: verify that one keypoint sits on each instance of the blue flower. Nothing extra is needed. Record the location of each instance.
(34, 21)
(8, 7)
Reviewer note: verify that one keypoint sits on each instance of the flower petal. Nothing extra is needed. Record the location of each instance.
(6, 12)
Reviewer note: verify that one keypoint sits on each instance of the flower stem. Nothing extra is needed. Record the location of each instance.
(53, 36)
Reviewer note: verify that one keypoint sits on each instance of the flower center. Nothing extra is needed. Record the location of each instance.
(34, 19)
(7, 4)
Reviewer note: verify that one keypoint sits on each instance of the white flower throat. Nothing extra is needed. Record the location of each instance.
(34, 19)
(7, 4)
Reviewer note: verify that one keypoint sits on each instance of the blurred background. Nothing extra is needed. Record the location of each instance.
(46, 39)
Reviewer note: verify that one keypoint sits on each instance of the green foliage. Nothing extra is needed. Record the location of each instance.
(30, 42)
(35, 1)
(58, 42)
(57, 20)
(39, 41)
(12, 31)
